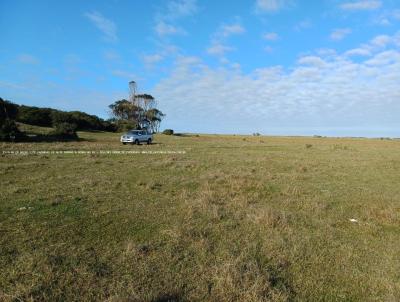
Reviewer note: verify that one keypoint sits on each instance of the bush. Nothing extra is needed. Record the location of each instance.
(65, 131)
(168, 132)
(8, 110)
(9, 130)
(124, 125)
(109, 126)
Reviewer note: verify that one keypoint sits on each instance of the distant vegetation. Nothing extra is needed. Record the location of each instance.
(133, 114)
(168, 132)
(48, 117)
(65, 123)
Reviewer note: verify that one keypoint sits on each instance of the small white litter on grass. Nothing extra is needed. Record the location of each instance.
(353, 220)
(24, 208)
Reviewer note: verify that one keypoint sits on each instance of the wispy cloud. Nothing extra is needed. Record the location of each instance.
(218, 49)
(304, 24)
(271, 36)
(163, 29)
(179, 9)
(315, 61)
(111, 55)
(167, 18)
(27, 59)
(340, 33)
(151, 59)
(163, 52)
(361, 5)
(388, 17)
(271, 5)
(358, 52)
(231, 29)
(106, 26)
(219, 38)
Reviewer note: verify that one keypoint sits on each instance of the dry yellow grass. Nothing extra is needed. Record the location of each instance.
(235, 218)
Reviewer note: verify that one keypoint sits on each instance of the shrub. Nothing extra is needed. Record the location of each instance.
(109, 126)
(65, 131)
(168, 132)
(125, 125)
(8, 110)
(9, 130)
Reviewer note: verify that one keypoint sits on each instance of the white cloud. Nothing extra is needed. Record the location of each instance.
(218, 49)
(384, 58)
(387, 17)
(152, 59)
(329, 91)
(218, 42)
(271, 36)
(361, 5)
(232, 29)
(312, 60)
(164, 29)
(106, 26)
(339, 33)
(358, 52)
(271, 5)
(180, 9)
(381, 41)
(167, 18)
(27, 59)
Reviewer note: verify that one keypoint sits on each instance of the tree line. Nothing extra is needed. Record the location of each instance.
(136, 114)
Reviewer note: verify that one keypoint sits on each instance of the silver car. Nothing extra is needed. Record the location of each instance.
(136, 137)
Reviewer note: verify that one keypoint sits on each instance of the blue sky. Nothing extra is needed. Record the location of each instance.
(327, 67)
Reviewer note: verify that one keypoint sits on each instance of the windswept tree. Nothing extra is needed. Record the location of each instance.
(139, 110)
(154, 116)
(125, 110)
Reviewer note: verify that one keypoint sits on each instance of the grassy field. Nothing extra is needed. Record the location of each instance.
(235, 218)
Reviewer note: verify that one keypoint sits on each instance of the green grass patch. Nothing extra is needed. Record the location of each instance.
(234, 218)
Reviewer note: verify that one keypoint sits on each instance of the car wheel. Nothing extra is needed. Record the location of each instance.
(137, 142)
(124, 143)
(149, 141)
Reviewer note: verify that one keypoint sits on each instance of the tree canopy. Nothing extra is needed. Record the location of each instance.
(138, 110)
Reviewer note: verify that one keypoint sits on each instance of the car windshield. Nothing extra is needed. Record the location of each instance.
(133, 132)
